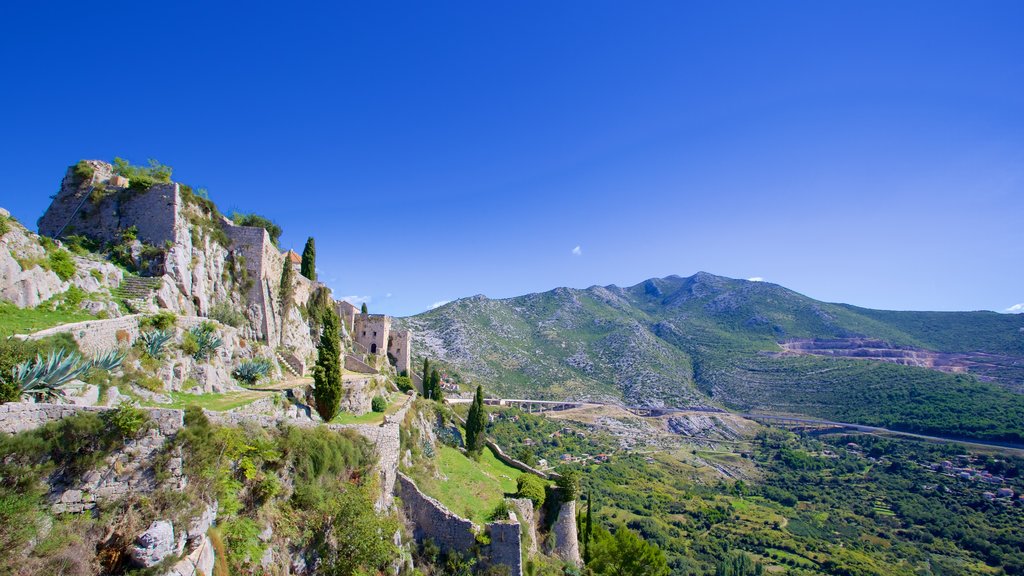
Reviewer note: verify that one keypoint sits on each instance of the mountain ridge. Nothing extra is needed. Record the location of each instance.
(708, 340)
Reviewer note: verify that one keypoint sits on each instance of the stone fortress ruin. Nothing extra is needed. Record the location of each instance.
(201, 260)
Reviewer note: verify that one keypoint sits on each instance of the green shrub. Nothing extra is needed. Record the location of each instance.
(500, 512)
(201, 341)
(404, 383)
(142, 177)
(189, 344)
(532, 487)
(81, 245)
(258, 221)
(227, 314)
(128, 420)
(5, 225)
(569, 483)
(163, 320)
(83, 171)
(378, 404)
(61, 263)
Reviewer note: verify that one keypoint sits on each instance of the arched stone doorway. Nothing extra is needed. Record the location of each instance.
(373, 348)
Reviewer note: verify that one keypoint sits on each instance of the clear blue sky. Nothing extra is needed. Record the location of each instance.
(862, 152)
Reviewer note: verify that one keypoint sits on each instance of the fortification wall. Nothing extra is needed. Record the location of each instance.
(21, 416)
(126, 471)
(433, 520)
(506, 545)
(97, 336)
(153, 211)
(347, 313)
(400, 346)
(567, 545)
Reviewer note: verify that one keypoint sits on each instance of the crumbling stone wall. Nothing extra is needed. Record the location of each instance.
(128, 470)
(347, 312)
(453, 533)
(400, 347)
(567, 545)
(506, 545)
(433, 520)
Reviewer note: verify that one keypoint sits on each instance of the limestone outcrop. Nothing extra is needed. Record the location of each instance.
(27, 281)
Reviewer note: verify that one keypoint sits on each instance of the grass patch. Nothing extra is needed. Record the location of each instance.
(14, 320)
(215, 402)
(376, 418)
(470, 488)
(350, 418)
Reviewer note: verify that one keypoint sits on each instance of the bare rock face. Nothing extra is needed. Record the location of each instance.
(155, 544)
(26, 283)
(30, 286)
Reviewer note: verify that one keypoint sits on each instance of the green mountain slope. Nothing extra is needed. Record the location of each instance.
(706, 340)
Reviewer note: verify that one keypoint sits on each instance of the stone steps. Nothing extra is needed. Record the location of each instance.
(290, 364)
(137, 292)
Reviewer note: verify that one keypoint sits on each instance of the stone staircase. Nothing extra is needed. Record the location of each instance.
(137, 291)
(290, 364)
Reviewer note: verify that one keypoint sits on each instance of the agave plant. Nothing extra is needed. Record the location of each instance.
(154, 341)
(45, 379)
(206, 340)
(250, 371)
(109, 360)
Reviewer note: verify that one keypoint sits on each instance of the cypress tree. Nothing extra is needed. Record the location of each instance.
(308, 268)
(426, 379)
(327, 371)
(588, 529)
(476, 423)
(435, 384)
(285, 291)
(285, 294)
(364, 309)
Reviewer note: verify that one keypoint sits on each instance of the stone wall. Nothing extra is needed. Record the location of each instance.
(567, 546)
(354, 364)
(453, 533)
(129, 470)
(400, 347)
(432, 520)
(501, 455)
(506, 546)
(21, 416)
(347, 312)
(154, 211)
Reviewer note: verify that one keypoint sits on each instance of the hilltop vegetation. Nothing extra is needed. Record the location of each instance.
(708, 340)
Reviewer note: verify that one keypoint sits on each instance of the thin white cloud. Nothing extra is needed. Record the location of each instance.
(439, 303)
(756, 279)
(577, 251)
(388, 295)
(1016, 308)
(356, 299)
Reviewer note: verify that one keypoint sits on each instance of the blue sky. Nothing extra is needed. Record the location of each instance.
(862, 152)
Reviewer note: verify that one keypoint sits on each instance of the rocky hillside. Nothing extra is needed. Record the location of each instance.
(710, 340)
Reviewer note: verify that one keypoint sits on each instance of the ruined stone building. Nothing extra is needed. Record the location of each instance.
(373, 333)
(203, 259)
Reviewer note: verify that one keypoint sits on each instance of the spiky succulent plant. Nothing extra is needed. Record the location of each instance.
(44, 379)
(109, 360)
(250, 371)
(154, 341)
